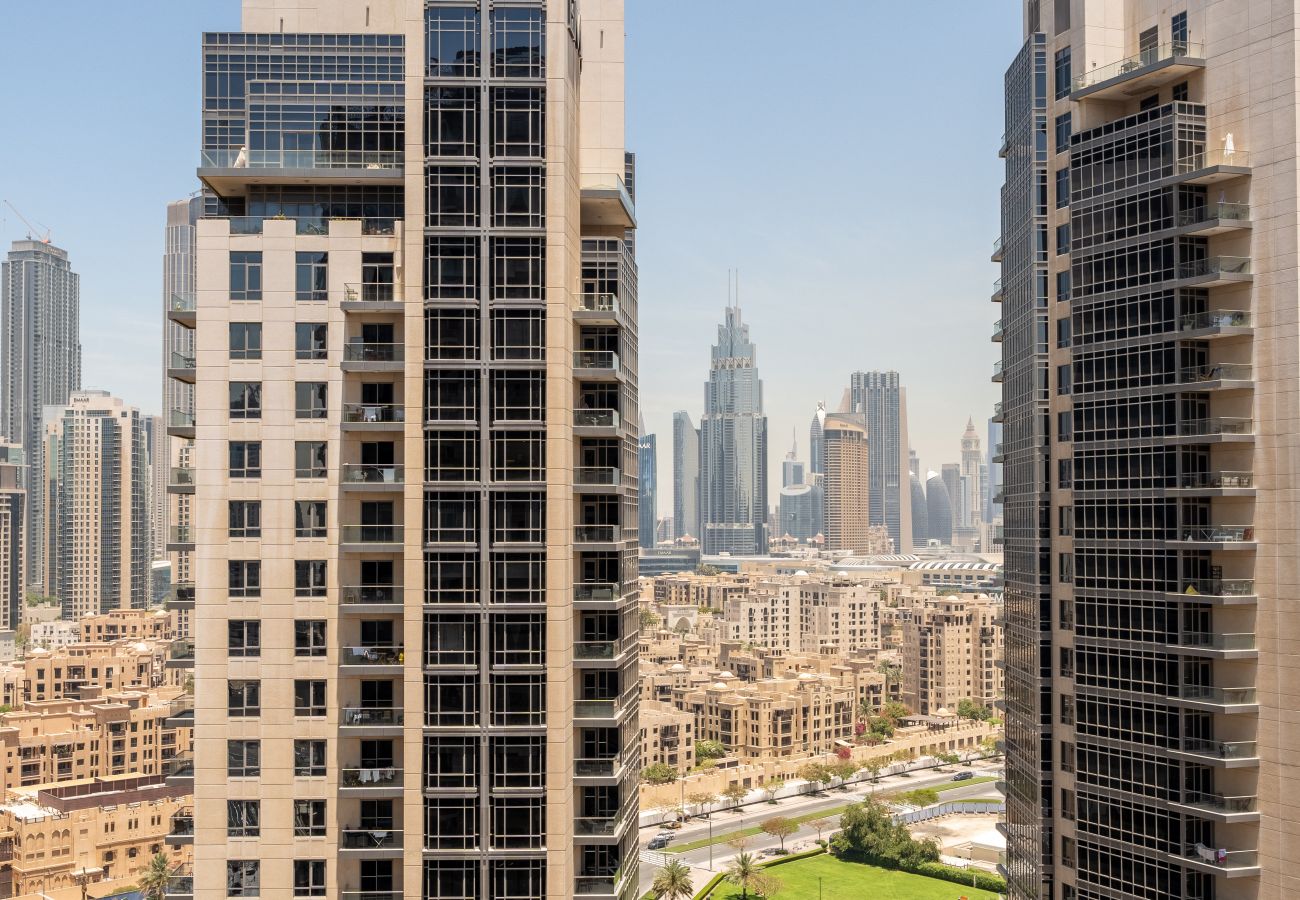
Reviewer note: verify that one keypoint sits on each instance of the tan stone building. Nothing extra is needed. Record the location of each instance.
(54, 836)
(667, 736)
(951, 650)
(69, 671)
(846, 483)
(128, 624)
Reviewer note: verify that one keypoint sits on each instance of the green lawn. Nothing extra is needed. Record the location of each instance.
(953, 785)
(854, 881)
(800, 835)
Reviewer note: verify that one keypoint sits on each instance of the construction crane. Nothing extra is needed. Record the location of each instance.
(31, 229)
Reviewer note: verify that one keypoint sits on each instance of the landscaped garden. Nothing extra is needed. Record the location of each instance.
(842, 880)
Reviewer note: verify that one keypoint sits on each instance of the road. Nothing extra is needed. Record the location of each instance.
(756, 813)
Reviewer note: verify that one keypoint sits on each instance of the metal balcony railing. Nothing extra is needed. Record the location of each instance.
(372, 656)
(1215, 265)
(1219, 318)
(373, 413)
(370, 534)
(363, 594)
(366, 473)
(361, 716)
(1134, 64)
(386, 776)
(361, 351)
(369, 293)
(1216, 480)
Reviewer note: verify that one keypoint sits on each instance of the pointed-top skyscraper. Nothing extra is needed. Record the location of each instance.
(733, 446)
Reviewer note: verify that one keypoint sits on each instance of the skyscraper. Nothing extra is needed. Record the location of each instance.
(1147, 269)
(733, 446)
(880, 398)
(416, 454)
(920, 512)
(797, 512)
(847, 483)
(648, 489)
(993, 510)
(40, 343)
(816, 441)
(686, 475)
(156, 441)
(792, 470)
(957, 496)
(98, 527)
(972, 477)
(938, 508)
(13, 531)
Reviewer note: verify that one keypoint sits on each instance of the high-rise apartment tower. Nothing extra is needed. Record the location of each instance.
(647, 487)
(686, 475)
(1149, 368)
(881, 400)
(847, 483)
(13, 532)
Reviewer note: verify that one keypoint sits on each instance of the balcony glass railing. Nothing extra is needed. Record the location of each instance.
(363, 594)
(243, 158)
(997, 286)
(180, 534)
(181, 708)
(1218, 802)
(595, 418)
(366, 473)
(372, 656)
(1221, 749)
(1214, 265)
(595, 359)
(597, 768)
(369, 293)
(997, 328)
(1215, 372)
(1219, 318)
(1222, 857)
(594, 885)
(359, 351)
(182, 476)
(1216, 426)
(596, 476)
(182, 825)
(1135, 64)
(1209, 159)
(595, 649)
(1226, 696)
(181, 361)
(179, 886)
(595, 534)
(588, 591)
(596, 303)
(373, 413)
(180, 419)
(181, 650)
(370, 534)
(1216, 480)
(385, 776)
(1219, 587)
(997, 246)
(1216, 641)
(183, 303)
(1213, 211)
(321, 226)
(1217, 534)
(183, 591)
(997, 369)
(362, 716)
(370, 839)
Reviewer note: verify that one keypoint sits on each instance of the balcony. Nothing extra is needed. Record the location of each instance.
(181, 480)
(180, 884)
(1141, 74)
(1237, 645)
(182, 309)
(367, 477)
(596, 887)
(370, 842)
(595, 365)
(595, 477)
(596, 309)
(180, 424)
(1218, 807)
(386, 781)
(1219, 430)
(180, 655)
(1220, 860)
(305, 225)
(1217, 484)
(371, 598)
(596, 534)
(997, 412)
(1215, 324)
(1217, 377)
(604, 830)
(1215, 699)
(181, 367)
(1213, 166)
(997, 291)
(607, 208)
(374, 417)
(997, 332)
(997, 372)
(1214, 218)
(373, 660)
(229, 172)
(362, 356)
(379, 721)
(997, 251)
(373, 538)
(598, 771)
(596, 420)
(1219, 591)
(179, 770)
(600, 650)
(183, 595)
(1228, 754)
(182, 830)
(1214, 271)
(591, 595)
(1215, 537)
(180, 538)
(181, 713)
(604, 710)
(371, 298)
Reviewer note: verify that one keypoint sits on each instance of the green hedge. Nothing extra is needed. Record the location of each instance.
(708, 888)
(983, 880)
(793, 857)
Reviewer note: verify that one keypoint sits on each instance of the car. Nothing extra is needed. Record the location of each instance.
(963, 776)
(657, 843)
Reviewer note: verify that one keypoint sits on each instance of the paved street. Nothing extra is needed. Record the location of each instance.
(756, 813)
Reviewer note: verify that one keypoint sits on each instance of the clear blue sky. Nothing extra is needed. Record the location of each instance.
(841, 155)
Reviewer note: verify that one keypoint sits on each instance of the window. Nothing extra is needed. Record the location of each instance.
(377, 272)
(1180, 92)
(518, 122)
(245, 340)
(517, 762)
(246, 275)
(245, 459)
(310, 340)
(1178, 32)
(1065, 520)
(245, 399)
(450, 121)
(309, 459)
(309, 518)
(451, 42)
(517, 639)
(450, 640)
(518, 197)
(451, 196)
(1063, 187)
(450, 518)
(1063, 285)
(1067, 667)
(243, 878)
(518, 578)
(308, 697)
(245, 518)
(518, 700)
(309, 638)
(518, 880)
(518, 334)
(1063, 129)
(1062, 332)
(1064, 422)
(451, 578)
(309, 818)
(451, 455)
(1062, 73)
(245, 577)
(1063, 379)
(244, 637)
(243, 818)
(450, 763)
(311, 279)
(243, 759)
(309, 577)
(451, 334)
(243, 698)
(309, 877)
(1063, 239)
(450, 701)
(309, 759)
(451, 268)
(518, 518)
(456, 879)
(518, 268)
(518, 43)
(518, 396)
(309, 399)
(1067, 710)
(517, 822)
(1065, 472)
(450, 823)
(451, 396)
(518, 456)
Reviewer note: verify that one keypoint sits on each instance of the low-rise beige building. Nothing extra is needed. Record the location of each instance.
(70, 671)
(667, 736)
(55, 633)
(949, 648)
(129, 624)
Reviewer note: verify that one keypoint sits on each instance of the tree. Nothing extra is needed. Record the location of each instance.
(779, 827)
(673, 882)
(820, 824)
(894, 712)
(153, 880)
(969, 709)
(708, 570)
(773, 787)
(866, 709)
(844, 769)
(946, 758)
(869, 833)
(874, 765)
(659, 773)
(668, 812)
(648, 619)
(739, 842)
(734, 793)
(989, 746)
(707, 749)
(700, 800)
(920, 797)
(743, 872)
(765, 884)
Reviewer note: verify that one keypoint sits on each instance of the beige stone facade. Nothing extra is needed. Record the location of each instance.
(128, 624)
(667, 736)
(950, 649)
(846, 483)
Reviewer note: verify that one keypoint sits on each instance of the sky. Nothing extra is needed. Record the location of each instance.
(852, 183)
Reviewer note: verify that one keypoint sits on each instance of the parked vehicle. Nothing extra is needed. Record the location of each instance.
(963, 776)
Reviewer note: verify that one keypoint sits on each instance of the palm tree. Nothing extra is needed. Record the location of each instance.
(743, 872)
(673, 882)
(153, 881)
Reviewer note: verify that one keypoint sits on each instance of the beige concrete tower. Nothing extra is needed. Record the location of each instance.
(1150, 366)
(846, 482)
(415, 512)
(13, 531)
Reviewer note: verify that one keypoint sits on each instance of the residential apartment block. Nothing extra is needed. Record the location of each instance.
(950, 648)
(13, 535)
(414, 514)
(846, 484)
(667, 736)
(1149, 370)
